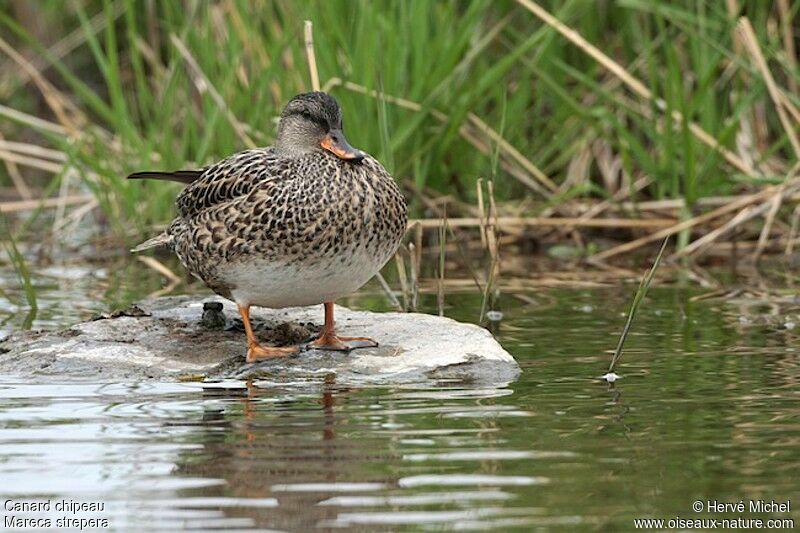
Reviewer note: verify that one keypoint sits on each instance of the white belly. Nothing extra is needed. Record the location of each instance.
(272, 284)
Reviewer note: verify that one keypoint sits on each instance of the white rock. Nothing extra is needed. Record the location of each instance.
(171, 342)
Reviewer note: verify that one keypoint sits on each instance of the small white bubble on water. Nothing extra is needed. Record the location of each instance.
(494, 316)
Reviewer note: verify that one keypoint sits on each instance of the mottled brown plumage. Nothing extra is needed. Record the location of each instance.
(305, 221)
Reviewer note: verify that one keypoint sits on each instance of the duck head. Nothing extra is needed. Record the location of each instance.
(313, 121)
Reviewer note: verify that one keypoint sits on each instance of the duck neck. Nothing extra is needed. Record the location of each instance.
(296, 139)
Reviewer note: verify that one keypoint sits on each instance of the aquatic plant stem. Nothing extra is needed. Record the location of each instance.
(641, 292)
(442, 261)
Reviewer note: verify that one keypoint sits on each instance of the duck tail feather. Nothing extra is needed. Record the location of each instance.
(181, 176)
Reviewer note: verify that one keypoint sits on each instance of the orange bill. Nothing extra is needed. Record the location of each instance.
(335, 143)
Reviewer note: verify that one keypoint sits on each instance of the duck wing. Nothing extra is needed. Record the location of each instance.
(227, 180)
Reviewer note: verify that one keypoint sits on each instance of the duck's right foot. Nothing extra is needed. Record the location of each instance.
(257, 352)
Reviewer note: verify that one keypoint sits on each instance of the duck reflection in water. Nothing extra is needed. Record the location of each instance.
(281, 444)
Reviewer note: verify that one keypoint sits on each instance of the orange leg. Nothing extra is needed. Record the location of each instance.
(254, 350)
(329, 340)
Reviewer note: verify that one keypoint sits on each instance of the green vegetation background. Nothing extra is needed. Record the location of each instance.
(134, 102)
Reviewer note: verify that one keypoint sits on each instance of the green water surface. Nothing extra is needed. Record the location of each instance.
(707, 409)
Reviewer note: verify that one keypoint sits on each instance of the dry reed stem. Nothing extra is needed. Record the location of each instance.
(152, 59)
(512, 152)
(763, 237)
(308, 30)
(69, 43)
(457, 238)
(645, 223)
(32, 121)
(731, 247)
(793, 230)
(789, 106)
(44, 203)
(434, 286)
(33, 162)
(515, 171)
(676, 204)
(493, 245)
(32, 150)
(252, 46)
(168, 288)
(159, 267)
(57, 102)
(16, 176)
(63, 191)
(789, 187)
(738, 203)
(73, 219)
(621, 194)
(442, 262)
(203, 84)
(418, 246)
(414, 277)
(387, 290)
(634, 84)
(586, 204)
(402, 277)
(491, 230)
(524, 298)
(45, 165)
(787, 25)
(733, 10)
(400, 102)
(474, 245)
(751, 43)
(481, 210)
(697, 245)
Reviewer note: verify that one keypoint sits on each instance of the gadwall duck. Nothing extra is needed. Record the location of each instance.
(303, 222)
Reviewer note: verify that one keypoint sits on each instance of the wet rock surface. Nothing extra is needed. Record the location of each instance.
(183, 338)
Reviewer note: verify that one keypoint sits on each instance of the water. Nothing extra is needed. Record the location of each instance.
(708, 408)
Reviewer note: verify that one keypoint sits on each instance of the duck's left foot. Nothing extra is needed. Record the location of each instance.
(331, 341)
